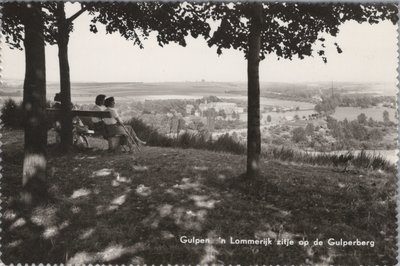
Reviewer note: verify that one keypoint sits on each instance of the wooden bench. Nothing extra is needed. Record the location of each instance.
(113, 142)
(81, 113)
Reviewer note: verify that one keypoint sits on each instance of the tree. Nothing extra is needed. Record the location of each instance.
(346, 129)
(56, 30)
(309, 129)
(235, 115)
(375, 135)
(299, 134)
(283, 29)
(25, 21)
(318, 108)
(362, 118)
(11, 114)
(222, 113)
(371, 122)
(386, 119)
(359, 132)
(134, 21)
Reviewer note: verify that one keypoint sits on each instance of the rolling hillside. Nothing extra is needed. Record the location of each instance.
(124, 209)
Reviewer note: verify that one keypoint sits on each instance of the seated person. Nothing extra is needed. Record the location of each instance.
(98, 123)
(57, 117)
(78, 125)
(115, 127)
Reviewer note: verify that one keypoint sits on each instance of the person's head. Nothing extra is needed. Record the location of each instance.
(100, 99)
(109, 102)
(57, 97)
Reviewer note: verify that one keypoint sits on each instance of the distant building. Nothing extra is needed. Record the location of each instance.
(317, 98)
(189, 109)
(228, 108)
(289, 118)
(239, 110)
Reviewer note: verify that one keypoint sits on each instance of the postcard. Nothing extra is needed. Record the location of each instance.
(199, 133)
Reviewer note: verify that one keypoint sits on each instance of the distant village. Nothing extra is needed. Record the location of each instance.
(219, 110)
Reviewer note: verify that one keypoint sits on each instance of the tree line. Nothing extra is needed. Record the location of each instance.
(258, 29)
(329, 104)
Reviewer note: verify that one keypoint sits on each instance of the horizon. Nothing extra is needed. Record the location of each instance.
(369, 54)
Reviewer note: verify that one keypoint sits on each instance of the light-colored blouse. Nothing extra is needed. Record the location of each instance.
(114, 116)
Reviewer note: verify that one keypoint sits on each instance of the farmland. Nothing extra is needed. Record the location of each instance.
(375, 113)
(286, 107)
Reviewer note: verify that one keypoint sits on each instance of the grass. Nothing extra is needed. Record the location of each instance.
(226, 143)
(361, 160)
(116, 209)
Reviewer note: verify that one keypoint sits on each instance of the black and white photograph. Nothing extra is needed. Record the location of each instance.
(199, 133)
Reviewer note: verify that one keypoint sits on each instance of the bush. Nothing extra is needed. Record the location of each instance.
(310, 129)
(11, 114)
(299, 135)
(149, 134)
(361, 160)
(227, 143)
(186, 140)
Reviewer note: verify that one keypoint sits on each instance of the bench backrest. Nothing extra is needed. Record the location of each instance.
(81, 113)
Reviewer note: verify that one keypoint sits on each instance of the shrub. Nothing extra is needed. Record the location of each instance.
(361, 160)
(362, 118)
(227, 143)
(310, 129)
(149, 134)
(186, 140)
(11, 114)
(299, 134)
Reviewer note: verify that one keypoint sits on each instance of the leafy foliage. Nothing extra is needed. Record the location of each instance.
(11, 114)
(362, 118)
(14, 15)
(386, 118)
(328, 104)
(361, 160)
(290, 29)
(134, 21)
(299, 134)
(224, 143)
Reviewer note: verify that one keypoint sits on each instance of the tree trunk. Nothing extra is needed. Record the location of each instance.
(253, 83)
(34, 108)
(65, 83)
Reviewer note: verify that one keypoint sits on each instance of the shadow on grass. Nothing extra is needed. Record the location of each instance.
(114, 209)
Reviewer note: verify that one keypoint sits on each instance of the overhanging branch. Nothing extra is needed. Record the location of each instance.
(77, 14)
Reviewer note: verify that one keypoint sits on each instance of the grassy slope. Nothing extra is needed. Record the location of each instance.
(166, 193)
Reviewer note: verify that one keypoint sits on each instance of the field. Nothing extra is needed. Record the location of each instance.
(139, 91)
(375, 113)
(86, 91)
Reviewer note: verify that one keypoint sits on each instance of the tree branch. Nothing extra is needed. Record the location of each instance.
(77, 14)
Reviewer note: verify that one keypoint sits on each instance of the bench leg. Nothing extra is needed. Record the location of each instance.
(113, 143)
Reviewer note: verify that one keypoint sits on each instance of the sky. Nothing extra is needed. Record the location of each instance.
(369, 55)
